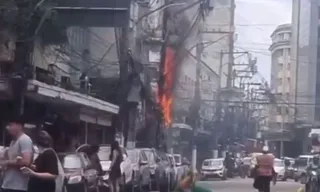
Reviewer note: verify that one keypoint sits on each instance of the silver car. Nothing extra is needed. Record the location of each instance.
(141, 170)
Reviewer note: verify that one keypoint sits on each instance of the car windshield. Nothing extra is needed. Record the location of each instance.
(301, 161)
(177, 158)
(246, 161)
(278, 163)
(212, 163)
(104, 153)
(133, 156)
(171, 159)
(71, 162)
(149, 155)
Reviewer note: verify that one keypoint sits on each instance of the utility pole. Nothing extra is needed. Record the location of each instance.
(161, 80)
(282, 130)
(218, 109)
(197, 100)
(22, 59)
(231, 44)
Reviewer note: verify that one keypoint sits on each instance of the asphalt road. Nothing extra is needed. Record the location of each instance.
(245, 185)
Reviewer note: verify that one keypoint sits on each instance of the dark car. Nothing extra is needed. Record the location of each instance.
(159, 169)
(141, 170)
(79, 175)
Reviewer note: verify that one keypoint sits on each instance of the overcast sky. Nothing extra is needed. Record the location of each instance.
(255, 21)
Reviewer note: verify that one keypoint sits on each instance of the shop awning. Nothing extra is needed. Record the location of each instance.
(39, 90)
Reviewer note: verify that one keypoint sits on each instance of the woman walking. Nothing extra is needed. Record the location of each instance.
(115, 172)
(45, 168)
(264, 171)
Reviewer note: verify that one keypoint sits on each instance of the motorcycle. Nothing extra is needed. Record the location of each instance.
(311, 179)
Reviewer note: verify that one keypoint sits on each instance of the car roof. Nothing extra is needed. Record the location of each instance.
(214, 159)
(306, 156)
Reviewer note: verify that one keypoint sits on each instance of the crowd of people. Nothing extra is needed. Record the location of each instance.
(23, 173)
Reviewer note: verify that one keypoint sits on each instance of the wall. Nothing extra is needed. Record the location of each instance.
(307, 58)
(217, 20)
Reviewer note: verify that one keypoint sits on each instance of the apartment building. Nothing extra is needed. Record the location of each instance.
(281, 76)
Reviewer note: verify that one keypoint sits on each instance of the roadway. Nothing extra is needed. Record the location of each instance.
(245, 185)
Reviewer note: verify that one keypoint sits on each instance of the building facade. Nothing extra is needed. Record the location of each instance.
(281, 77)
(305, 54)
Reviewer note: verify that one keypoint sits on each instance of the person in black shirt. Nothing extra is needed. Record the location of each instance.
(115, 171)
(45, 168)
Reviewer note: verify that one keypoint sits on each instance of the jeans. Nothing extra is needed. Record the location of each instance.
(263, 183)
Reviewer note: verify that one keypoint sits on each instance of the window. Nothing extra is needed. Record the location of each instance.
(280, 81)
(279, 110)
(281, 36)
(281, 52)
(288, 66)
(280, 66)
(287, 110)
(289, 51)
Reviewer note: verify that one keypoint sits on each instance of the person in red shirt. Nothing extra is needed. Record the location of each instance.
(264, 171)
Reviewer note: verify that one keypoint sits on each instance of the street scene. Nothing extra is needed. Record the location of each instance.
(159, 95)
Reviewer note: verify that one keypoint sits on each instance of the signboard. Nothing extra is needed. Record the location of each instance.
(94, 13)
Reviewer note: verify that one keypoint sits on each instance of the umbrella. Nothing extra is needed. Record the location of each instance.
(85, 148)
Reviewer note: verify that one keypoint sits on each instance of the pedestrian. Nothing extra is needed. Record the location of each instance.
(44, 171)
(264, 171)
(94, 158)
(19, 154)
(115, 172)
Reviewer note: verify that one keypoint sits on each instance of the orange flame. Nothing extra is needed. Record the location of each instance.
(167, 96)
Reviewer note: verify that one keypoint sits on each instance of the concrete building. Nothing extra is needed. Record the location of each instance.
(305, 54)
(216, 30)
(281, 77)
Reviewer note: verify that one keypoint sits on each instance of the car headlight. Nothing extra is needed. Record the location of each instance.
(74, 179)
(295, 169)
(313, 173)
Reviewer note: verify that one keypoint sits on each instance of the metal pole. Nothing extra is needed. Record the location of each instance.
(231, 46)
(86, 132)
(297, 62)
(282, 130)
(218, 109)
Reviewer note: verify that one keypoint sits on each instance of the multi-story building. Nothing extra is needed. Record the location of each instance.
(216, 31)
(305, 54)
(281, 76)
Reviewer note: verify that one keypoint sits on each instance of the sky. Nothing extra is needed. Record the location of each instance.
(255, 20)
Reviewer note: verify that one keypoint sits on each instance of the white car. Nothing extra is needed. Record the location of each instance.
(214, 168)
(180, 168)
(126, 165)
(279, 168)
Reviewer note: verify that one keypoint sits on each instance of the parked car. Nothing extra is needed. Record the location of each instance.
(79, 176)
(174, 171)
(159, 168)
(126, 165)
(179, 166)
(279, 168)
(141, 171)
(301, 164)
(213, 168)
